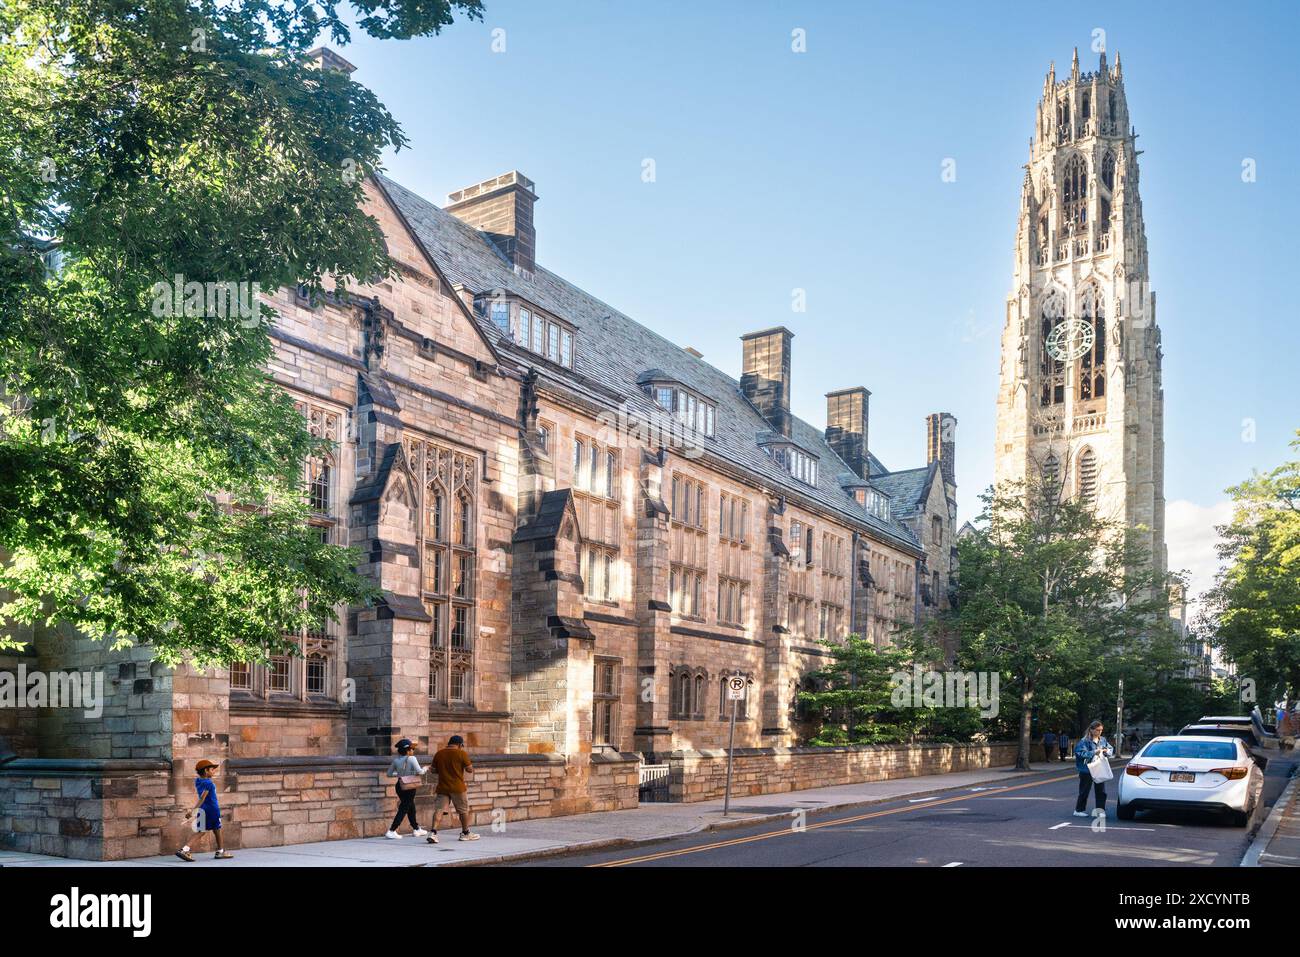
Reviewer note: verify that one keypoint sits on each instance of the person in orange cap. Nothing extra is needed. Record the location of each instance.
(209, 812)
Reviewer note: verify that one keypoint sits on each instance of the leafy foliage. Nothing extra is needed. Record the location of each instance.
(1054, 598)
(1254, 608)
(156, 140)
(852, 699)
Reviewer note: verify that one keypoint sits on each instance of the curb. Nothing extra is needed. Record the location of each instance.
(1259, 846)
(722, 825)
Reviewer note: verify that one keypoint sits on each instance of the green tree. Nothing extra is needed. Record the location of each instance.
(1048, 592)
(855, 699)
(1253, 610)
(155, 140)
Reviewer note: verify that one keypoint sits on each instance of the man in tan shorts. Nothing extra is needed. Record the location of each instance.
(452, 764)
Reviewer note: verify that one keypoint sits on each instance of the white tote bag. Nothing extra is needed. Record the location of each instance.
(1099, 768)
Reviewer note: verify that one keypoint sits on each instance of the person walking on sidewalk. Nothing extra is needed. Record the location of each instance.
(1064, 740)
(209, 812)
(1090, 746)
(1049, 745)
(452, 764)
(406, 768)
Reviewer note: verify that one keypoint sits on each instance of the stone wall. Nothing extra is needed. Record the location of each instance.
(702, 775)
(268, 803)
(88, 809)
(111, 810)
(17, 720)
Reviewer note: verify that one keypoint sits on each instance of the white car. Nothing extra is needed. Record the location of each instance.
(1192, 772)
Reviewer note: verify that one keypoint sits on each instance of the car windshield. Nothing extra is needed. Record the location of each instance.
(1216, 750)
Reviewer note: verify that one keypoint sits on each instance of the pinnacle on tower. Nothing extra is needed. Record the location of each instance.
(1074, 67)
(1101, 70)
(1119, 69)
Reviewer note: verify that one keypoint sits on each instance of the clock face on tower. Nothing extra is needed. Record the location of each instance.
(1069, 339)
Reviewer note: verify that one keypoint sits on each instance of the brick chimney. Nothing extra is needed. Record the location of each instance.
(765, 375)
(324, 58)
(941, 444)
(846, 427)
(502, 207)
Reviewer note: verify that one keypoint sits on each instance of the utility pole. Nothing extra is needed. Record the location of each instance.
(1119, 718)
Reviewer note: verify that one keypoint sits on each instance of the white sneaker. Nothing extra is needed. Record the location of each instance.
(468, 836)
(1080, 813)
(419, 832)
(393, 836)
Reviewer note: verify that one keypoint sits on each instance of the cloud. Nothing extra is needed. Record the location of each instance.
(1192, 540)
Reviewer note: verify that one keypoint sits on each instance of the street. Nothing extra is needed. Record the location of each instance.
(1025, 824)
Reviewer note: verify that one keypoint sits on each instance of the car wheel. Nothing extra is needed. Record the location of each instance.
(1125, 812)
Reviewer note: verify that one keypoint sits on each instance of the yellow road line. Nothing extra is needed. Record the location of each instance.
(812, 827)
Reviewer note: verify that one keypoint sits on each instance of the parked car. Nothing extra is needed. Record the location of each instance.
(1192, 772)
(1243, 732)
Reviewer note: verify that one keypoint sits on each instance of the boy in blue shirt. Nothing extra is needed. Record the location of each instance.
(208, 809)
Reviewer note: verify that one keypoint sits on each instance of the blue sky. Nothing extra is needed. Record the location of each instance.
(820, 171)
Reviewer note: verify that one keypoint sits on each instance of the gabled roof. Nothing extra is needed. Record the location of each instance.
(907, 489)
(613, 352)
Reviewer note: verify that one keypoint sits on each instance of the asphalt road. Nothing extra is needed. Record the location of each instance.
(1022, 824)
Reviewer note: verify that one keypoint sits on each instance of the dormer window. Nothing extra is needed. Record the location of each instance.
(530, 329)
(800, 464)
(874, 502)
(690, 408)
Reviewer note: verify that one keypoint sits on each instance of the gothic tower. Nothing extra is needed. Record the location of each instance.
(1080, 396)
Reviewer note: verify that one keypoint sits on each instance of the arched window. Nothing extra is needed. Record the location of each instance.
(1108, 170)
(449, 567)
(697, 702)
(1074, 195)
(1092, 364)
(1087, 471)
(465, 521)
(1108, 180)
(680, 705)
(1052, 370)
(435, 514)
(1051, 470)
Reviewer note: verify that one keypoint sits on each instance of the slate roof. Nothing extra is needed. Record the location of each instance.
(612, 351)
(906, 488)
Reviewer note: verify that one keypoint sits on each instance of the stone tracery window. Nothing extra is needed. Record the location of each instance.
(313, 673)
(1052, 370)
(597, 483)
(1091, 369)
(688, 547)
(1087, 472)
(1074, 192)
(1108, 181)
(449, 553)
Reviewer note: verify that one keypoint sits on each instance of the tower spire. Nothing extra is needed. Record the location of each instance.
(1074, 67)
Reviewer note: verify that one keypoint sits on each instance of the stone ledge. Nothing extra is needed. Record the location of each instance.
(76, 767)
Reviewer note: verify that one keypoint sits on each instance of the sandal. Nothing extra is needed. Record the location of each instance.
(185, 856)
(222, 856)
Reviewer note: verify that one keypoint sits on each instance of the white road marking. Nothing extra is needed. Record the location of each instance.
(953, 864)
(1109, 827)
(919, 800)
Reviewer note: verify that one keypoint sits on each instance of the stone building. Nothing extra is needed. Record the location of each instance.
(1080, 397)
(580, 530)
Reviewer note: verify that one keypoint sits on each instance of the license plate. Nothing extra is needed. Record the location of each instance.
(1182, 777)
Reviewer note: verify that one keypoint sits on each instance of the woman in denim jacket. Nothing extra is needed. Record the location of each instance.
(1090, 745)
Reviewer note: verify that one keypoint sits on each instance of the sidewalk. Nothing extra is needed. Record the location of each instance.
(1278, 841)
(578, 832)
